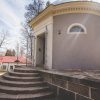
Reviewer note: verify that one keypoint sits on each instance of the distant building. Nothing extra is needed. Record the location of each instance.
(9, 62)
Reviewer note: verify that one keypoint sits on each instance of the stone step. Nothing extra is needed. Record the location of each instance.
(25, 70)
(24, 84)
(21, 84)
(23, 74)
(22, 79)
(37, 96)
(20, 90)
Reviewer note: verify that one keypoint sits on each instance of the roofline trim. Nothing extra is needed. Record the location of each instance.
(65, 8)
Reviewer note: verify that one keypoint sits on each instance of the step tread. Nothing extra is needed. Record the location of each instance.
(32, 73)
(31, 77)
(22, 96)
(22, 89)
(21, 83)
(25, 70)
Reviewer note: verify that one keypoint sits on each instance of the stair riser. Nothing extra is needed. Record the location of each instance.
(38, 98)
(23, 80)
(24, 75)
(22, 85)
(15, 92)
(25, 71)
(11, 86)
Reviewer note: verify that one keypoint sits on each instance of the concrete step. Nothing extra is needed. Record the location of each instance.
(23, 74)
(21, 84)
(22, 79)
(24, 84)
(28, 90)
(25, 70)
(37, 96)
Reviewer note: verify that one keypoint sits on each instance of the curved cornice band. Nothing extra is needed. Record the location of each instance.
(67, 8)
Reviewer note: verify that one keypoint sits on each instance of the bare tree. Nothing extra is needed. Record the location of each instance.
(3, 37)
(27, 40)
(34, 9)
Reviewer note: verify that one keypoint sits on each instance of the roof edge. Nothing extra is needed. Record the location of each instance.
(51, 8)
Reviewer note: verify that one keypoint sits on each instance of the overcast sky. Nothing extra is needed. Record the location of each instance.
(11, 17)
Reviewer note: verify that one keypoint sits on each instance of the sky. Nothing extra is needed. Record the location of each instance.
(12, 17)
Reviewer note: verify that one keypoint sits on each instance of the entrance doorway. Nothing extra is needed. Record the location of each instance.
(40, 52)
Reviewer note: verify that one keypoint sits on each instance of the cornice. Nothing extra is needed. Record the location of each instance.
(44, 14)
(67, 8)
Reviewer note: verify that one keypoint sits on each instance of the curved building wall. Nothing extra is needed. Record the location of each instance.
(76, 50)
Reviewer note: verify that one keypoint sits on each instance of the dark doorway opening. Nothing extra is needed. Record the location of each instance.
(40, 54)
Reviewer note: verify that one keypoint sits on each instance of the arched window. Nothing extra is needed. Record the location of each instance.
(76, 28)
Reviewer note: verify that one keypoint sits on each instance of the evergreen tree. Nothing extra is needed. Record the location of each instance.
(13, 52)
(48, 3)
(10, 52)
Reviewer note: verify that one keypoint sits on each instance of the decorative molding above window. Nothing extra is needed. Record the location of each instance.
(76, 28)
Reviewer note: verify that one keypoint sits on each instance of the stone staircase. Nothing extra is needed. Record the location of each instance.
(24, 84)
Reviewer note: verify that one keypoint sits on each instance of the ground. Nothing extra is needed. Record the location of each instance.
(1, 73)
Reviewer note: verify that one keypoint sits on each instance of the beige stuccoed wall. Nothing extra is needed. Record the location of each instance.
(40, 29)
(76, 51)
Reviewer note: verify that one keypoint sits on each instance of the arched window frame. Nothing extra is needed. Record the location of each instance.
(76, 24)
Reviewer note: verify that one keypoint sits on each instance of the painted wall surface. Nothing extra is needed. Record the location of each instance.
(40, 29)
(76, 50)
